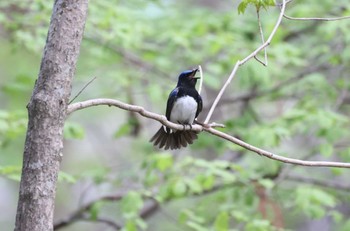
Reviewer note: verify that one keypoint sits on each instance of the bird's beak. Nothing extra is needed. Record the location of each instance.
(194, 73)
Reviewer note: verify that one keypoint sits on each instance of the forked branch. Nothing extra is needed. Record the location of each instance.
(246, 59)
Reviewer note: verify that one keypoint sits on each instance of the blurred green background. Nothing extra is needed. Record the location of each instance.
(298, 106)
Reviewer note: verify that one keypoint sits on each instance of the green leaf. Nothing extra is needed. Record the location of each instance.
(12, 172)
(4, 125)
(242, 7)
(73, 131)
(141, 223)
(193, 185)
(97, 173)
(206, 180)
(179, 188)
(258, 225)
(337, 171)
(221, 164)
(257, 3)
(131, 203)
(322, 197)
(131, 225)
(240, 216)
(222, 222)
(345, 226)
(196, 226)
(225, 175)
(313, 201)
(188, 215)
(123, 130)
(326, 149)
(21, 84)
(150, 179)
(95, 210)
(202, 163)
(62, 176)
(336, 216)
(267, 183)
(164, 161)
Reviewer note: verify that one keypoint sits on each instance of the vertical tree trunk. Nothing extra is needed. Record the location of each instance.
(47, 114)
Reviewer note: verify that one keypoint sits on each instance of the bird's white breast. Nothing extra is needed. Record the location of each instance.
(184, 110)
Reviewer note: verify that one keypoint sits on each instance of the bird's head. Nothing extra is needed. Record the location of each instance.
(187, 78)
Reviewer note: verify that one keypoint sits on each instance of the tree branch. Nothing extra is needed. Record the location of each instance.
(150, 207)
(201, 79)
(264, 63)
(108, 222)
(240, 63)
(316, 19)
(128, 107)
(273, 156)
(78, 214)
(277, 87)
(128, 56)
(327, 184)
(206, 127)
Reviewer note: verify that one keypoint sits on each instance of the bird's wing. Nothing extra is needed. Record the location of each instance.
(200, 105)
(171, 100)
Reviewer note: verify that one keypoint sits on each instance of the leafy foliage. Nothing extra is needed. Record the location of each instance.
(298, 106)
(12, 124)
(257, 3)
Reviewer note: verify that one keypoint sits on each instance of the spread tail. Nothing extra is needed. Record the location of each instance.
(173, 140)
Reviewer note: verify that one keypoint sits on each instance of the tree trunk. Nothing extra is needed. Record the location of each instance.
(47, 113)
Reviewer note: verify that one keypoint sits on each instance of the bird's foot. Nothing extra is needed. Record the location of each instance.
(184, 126)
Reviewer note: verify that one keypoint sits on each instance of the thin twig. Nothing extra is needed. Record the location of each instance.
(127, 55)
(274, 156)
(262, 40)
(240, 63)
(78, 214)
(316, 19)
(285, 170)
(327, 184)
(86, 85)
(341, 98)
(108, 222)
(254, 94)
(149, 208)
(201, 79)
(257, 59)
(162, 119)
(280, 4)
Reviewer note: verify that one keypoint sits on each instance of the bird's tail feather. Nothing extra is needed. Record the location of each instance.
(173, 140)
(158, 137)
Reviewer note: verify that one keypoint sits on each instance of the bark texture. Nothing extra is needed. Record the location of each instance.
(47, 110)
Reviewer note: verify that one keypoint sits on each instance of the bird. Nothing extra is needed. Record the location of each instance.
(183, 106)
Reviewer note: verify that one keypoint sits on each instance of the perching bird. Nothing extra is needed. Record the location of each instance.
(183, 106)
